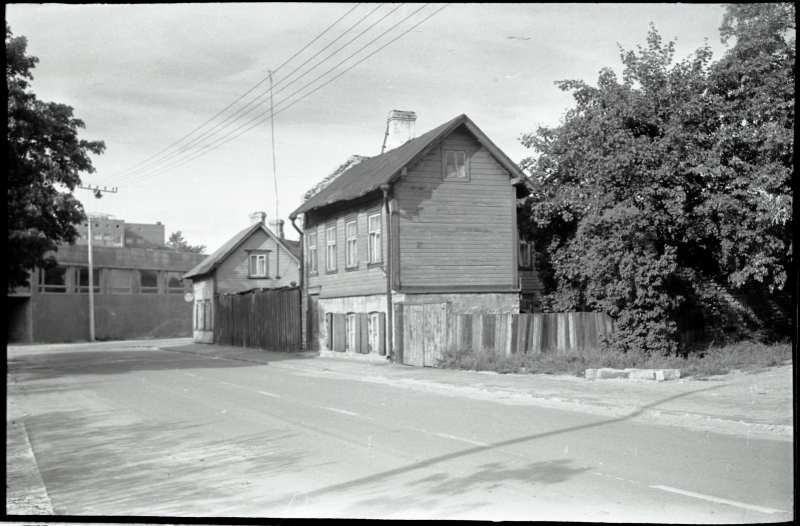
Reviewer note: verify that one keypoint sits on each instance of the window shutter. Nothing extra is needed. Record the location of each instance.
(382, 334)
(363, 332)
(329, 328)
(339, 332)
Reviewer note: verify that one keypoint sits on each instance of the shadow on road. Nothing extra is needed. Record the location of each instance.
(64, 363)
(549, 472)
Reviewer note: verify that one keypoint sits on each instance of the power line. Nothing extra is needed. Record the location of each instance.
(214, 145)
(241, 97)
(186, 147)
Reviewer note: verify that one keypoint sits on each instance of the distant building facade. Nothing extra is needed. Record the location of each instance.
(110, 232)
(138, 293)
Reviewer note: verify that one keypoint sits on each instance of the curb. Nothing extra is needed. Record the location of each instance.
(26, 493)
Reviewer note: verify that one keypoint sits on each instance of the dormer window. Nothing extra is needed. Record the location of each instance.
(456, 165)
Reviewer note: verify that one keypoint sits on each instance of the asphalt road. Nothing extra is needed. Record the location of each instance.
(143, 432)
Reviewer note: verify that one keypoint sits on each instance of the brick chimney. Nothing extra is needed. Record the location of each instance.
(276, 225)
(258, 217)
(399, 129)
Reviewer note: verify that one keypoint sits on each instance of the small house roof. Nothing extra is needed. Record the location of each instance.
(368, 175)
(219, 255)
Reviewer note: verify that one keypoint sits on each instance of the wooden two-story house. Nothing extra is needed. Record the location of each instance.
(429, 225)
(255, 258)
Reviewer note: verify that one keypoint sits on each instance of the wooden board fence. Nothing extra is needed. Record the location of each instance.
(268, 320)
(499, 333)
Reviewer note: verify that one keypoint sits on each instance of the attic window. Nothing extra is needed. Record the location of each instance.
(257, 264)
(456, 166)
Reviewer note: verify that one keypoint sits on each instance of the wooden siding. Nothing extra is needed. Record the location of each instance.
(456, 232)
(232, 272)
(363, 280)
(203, 287)
(530, 281)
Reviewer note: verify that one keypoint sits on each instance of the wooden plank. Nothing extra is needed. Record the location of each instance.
(501, 338)
(513, 330)
(477, 332)
(523, 344)
(487, 334)
(413, 342)
(573, 323)
(436, 331)
(537, 332)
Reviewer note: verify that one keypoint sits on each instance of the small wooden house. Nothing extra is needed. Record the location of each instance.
(255, 258)
(399, 240)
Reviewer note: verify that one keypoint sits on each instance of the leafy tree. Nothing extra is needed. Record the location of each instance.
(43, 157)
(678, 173)
(176, 243)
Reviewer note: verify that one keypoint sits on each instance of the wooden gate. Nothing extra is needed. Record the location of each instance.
(268, 319)
(422, 332)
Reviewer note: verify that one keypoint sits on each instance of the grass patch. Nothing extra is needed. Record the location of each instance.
(742, 356)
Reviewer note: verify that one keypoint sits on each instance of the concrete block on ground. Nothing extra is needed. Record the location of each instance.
(668, 374)
(606, 373)
(642, 374)
(591, 374)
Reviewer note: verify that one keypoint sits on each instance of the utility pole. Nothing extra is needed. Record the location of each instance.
(98, 193)
(274, 174)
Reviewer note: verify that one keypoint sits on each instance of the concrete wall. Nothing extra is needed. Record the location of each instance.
(59, 317)
(19, 319)
(65, 317)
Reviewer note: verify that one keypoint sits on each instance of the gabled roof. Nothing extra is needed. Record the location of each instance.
(367, 176)
(214, 260)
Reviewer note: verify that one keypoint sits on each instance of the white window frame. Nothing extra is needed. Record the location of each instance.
(258, 266)
(350, 332)
(351, 247)
(445, 175)
(312, 252)
(375, 247)
(330, 248)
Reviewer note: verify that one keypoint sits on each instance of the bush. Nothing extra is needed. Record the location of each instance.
(743, 356)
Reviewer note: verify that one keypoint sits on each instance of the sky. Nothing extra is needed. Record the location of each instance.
(154, 81)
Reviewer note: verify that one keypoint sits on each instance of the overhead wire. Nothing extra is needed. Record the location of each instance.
(215, 145)
(186, 147)
(242, 96)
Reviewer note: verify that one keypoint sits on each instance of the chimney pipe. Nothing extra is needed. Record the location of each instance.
(276, 225)
(399, 129)
(258, 217)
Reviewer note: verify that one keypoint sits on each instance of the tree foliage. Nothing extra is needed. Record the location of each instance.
(677, 173)
(176, 243)
(44, 157)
